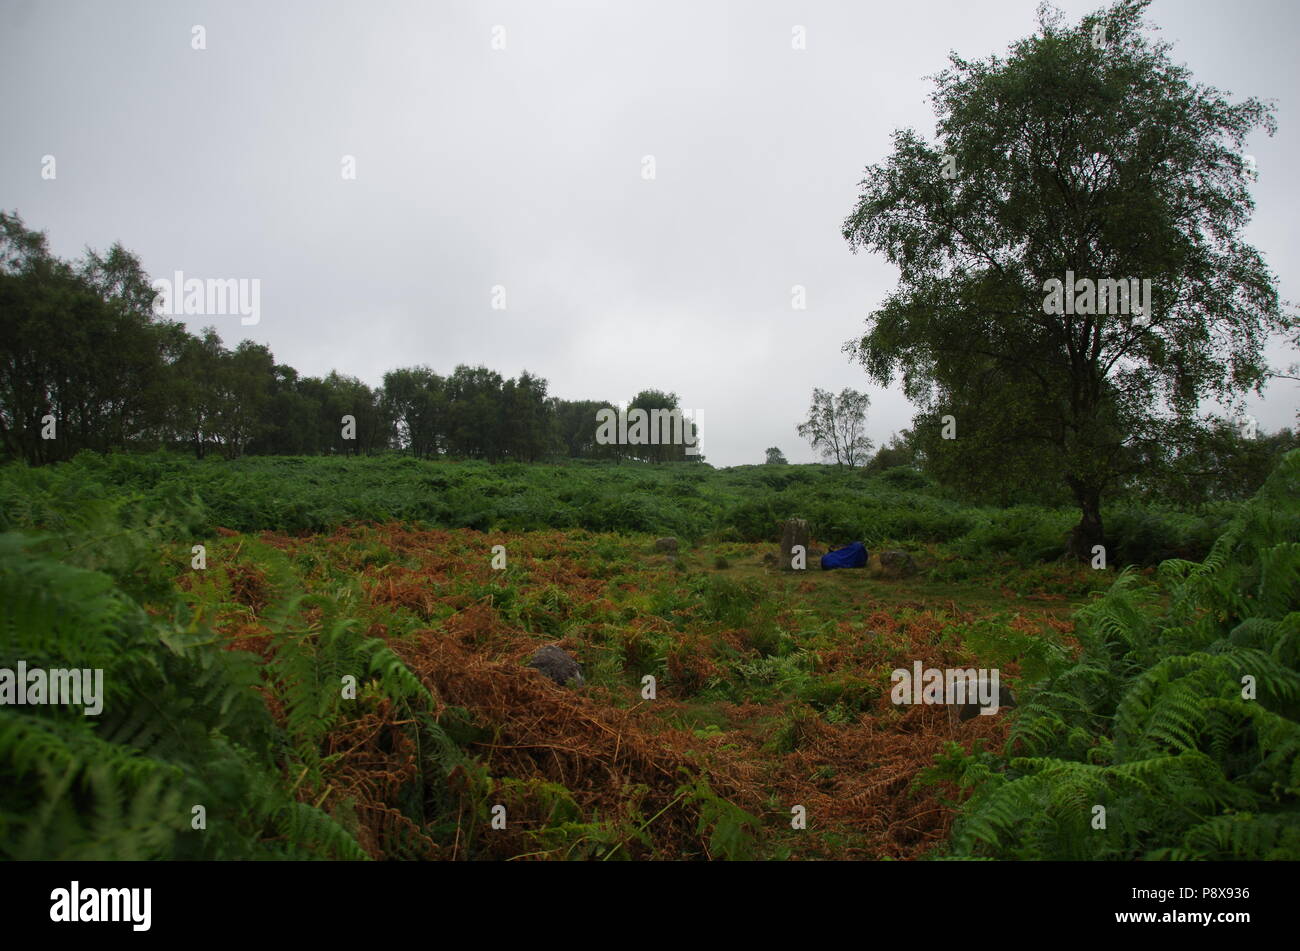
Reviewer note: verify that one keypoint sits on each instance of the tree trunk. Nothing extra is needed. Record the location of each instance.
(1089, 532)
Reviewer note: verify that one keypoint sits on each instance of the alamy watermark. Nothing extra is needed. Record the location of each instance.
(75, 904)
(1125, 295)
(179, 296)
(958, 687)
(655, 427)
(61, 687)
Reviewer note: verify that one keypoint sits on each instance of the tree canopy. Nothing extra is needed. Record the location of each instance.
(1084, 157)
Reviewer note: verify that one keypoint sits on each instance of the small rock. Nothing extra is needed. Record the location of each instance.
(665, 544)
(896, 564)
(557, 665)
(972, 708)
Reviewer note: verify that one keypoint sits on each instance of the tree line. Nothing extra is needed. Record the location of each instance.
(86, 363)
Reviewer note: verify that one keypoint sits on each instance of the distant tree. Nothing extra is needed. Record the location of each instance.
(198, 391)
(574, 422)
(775, 457)
(414, 398)
(348, 396)
(836, 426)
(289, 423)
(246, 376)
(899, 452)
(79, 343)
(474, 412)
(223, 399)
(664, 411)
(1086, 156)
(526, 428)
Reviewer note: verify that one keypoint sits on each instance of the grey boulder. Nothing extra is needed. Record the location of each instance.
(557, 665)
(896, 564)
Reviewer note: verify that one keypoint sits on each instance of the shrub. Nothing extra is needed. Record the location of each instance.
(1153, 723)
(1025, 532)
(905, 477)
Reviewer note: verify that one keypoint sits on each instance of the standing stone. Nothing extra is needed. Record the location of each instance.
(557, 665)
(666, 544)
(794, 531)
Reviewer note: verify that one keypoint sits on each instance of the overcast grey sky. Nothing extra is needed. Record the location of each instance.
(522, 167)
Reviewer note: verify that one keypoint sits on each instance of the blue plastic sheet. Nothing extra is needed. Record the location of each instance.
(853, 555)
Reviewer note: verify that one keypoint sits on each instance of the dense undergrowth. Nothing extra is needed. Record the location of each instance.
(231, 727)
(1175, 734)
(697, 502)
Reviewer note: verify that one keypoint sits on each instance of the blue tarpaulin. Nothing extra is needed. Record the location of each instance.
(853, 555)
